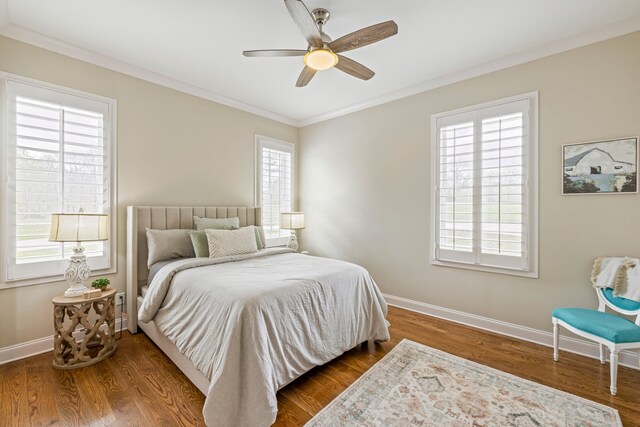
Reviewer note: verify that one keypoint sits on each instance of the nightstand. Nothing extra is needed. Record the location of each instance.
(97, 343)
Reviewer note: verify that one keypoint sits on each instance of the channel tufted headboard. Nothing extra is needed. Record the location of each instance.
(165, 218)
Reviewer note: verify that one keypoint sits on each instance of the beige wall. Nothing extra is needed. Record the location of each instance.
(365, 181)
(173, 149)
(365, 178)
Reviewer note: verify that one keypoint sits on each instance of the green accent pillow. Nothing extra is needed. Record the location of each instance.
(200, 244)
(259, 241)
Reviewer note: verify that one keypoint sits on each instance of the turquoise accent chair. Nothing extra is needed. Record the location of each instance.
(615, 332)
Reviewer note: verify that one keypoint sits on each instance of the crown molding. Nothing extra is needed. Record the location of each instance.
(40, 40)
(606, 32)
(609, 31)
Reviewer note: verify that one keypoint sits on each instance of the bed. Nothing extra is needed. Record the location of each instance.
(242, 327)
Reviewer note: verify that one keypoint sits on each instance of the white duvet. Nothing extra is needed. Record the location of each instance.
(252, 324)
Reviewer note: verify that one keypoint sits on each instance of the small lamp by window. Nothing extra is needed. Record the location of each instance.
(78, 227)
(292, 221)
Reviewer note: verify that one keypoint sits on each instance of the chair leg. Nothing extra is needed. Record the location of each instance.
(556, 339)
(602, 359)
(614, 370)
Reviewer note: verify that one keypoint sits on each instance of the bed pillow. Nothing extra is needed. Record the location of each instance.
(263, 241)
(231, 242)
(199, 242)
(168, 244)
(217, 223)
(201, 245)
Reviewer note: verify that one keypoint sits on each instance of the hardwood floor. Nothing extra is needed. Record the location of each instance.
(140, 386)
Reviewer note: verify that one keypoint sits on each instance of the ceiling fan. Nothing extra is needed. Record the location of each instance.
(323, 52)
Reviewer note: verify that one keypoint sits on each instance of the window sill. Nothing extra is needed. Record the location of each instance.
(50, 279)
(533, 274)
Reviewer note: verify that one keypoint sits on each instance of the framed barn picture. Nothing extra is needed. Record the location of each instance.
(600, 167)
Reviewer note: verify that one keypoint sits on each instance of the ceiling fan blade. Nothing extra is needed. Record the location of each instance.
(305, 76)
(364, 36)
(354, 68)
(305, 22)
(274, 53)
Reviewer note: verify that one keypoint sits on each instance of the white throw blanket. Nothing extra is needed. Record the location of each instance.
(254, 325)
(622, 274)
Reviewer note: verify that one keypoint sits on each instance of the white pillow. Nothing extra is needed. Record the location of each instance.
(231, 242)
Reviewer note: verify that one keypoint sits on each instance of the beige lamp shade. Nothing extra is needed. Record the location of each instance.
(79, 227)
(292, 220)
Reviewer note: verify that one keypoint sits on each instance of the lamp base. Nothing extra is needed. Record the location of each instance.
(77, 272)
(293, 241)
(73, 291)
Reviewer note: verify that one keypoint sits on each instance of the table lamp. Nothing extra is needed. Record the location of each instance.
(292, 221)
(78, 227)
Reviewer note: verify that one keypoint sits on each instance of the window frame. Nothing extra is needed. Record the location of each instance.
(5, 222)
(260, 141)
(532, 184)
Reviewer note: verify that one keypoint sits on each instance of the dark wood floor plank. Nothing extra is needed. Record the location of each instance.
(293, 416)
(14, 403)
(140, 386)
(41, 392)
(131, 363)
(152, 410)
(119, 397)
(94, 396)
(192, 397)
(164, 386)
(303, 396)
(72, 408)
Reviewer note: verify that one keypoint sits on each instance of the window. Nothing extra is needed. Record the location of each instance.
(58, 150)
(484, 164)
(274, 185)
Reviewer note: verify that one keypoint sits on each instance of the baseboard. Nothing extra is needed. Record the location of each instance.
(570, 344)
(573, 345)
(40, 345)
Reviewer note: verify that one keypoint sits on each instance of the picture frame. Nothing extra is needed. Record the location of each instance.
(600, 167)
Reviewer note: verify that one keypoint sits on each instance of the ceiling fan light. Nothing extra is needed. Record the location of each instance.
(320, 59)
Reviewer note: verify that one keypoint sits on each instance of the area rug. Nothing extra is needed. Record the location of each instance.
(415, 385)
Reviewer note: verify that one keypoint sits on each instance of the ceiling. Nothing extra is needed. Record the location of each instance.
(197, 45)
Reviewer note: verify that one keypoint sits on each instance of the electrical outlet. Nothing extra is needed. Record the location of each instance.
(120, 298)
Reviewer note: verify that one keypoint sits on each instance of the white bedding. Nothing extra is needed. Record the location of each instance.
(255, 324)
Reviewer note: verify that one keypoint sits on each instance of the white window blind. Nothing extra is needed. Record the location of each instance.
(274, 175)
(58, 159)
(485, 194)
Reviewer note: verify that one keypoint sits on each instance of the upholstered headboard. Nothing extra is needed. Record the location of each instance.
(165, 218)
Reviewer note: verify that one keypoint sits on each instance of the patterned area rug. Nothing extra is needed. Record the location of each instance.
(415, 385)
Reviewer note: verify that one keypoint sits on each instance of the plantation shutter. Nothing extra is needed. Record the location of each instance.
(503, 239)
(275, 186)
(57, 161)
(456, 138)
(482, 202)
